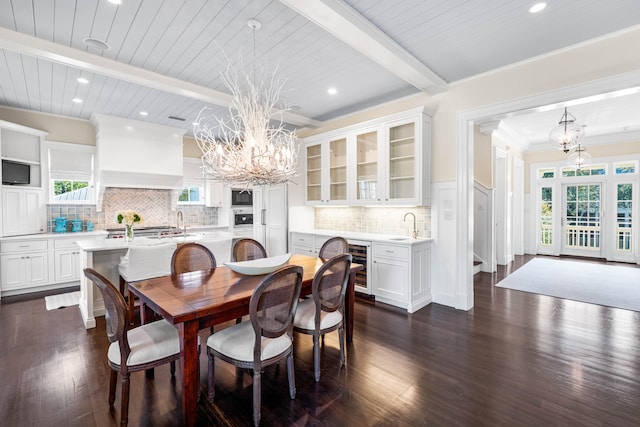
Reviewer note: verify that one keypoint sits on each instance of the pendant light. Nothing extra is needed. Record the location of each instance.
(567, 134)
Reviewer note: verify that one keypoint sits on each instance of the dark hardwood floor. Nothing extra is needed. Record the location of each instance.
(516, 359)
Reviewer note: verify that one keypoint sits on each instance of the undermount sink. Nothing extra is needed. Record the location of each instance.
(399, 238)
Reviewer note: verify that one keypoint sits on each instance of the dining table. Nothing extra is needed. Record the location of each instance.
(197, 300)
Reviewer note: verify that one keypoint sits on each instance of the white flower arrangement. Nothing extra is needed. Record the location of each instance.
(128, 217)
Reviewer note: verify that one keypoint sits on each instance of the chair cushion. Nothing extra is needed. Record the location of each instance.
(306, 316)
(145, 262)
(149, 342)
(237, 342)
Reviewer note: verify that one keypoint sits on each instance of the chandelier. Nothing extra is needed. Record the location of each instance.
(252, 145)
(579, 158)
(567, 134)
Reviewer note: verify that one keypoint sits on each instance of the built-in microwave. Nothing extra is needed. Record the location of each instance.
(241, 197)
(242, 218)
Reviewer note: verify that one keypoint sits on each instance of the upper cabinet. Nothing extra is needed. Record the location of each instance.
(380, 162)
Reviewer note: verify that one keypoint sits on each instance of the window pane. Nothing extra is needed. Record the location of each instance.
(69, 190)
(194, 194)
(546, 173)
(624, 191)
(546, 216)
(184, 196)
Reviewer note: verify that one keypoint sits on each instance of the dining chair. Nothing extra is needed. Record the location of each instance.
(334, 246)
(192, 257)
(144, 262)
(247, 249)
(324, 311)
(144, 347)
(267, 338)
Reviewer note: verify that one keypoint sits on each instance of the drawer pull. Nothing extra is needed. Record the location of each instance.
(24, 246)
(390, 252)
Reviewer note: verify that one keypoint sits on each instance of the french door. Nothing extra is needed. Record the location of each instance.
(581, 220)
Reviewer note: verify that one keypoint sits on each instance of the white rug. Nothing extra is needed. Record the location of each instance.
(609, 285)
(62, 300)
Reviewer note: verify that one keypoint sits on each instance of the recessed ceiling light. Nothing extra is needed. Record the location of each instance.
(332, 91)
(144, 113)
(537, 7)
(77, 100)
(96, 43)
(83, 80)
(115, 1)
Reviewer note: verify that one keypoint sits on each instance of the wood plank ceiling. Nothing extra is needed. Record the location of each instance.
(188, 42)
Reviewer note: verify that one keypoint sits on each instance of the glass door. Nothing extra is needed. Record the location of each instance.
(314, 173)
(367, 176)
(338, 170)
(402, 161)
(581, 221)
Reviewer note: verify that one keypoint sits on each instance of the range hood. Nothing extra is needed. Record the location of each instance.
(132, 154)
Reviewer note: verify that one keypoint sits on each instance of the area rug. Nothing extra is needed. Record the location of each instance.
(62, 300)
(608, 285)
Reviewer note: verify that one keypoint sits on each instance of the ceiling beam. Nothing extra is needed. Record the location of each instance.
(344, 22)
(44, 49)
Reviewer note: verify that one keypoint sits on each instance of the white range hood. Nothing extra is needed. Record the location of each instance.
(132, 154)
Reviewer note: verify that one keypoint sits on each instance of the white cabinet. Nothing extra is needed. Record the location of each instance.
(302, 244)
(22, 211)
(213, 194)
(400, 274)
(380, 162)
(390, 275)
(66, 261)
(24, 264)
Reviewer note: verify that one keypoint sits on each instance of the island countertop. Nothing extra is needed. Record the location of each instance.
(97, 245)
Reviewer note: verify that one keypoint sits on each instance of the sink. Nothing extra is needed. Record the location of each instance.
(399, 238)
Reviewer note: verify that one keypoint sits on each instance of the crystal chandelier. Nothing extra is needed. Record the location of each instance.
(568, 134)
(250, 146)
(579, 158)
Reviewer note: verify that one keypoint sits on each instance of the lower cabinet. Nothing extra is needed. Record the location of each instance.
(400, 272)
(33, 264)
(24, 264)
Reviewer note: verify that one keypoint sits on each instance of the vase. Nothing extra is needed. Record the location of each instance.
(128, 233)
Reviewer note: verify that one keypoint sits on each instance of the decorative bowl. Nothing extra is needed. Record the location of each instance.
(256, 267)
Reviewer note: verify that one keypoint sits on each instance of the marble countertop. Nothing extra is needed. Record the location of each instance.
(384, 238)
(78, 235)
(95, 245)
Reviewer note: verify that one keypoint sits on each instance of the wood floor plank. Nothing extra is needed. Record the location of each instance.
(515, 359)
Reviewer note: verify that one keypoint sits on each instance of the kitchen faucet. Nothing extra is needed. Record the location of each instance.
(178, 219)
(415, 231)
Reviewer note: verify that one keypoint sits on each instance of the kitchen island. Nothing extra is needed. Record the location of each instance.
(103, 255)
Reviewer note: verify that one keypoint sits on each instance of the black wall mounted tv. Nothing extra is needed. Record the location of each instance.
(15, 173)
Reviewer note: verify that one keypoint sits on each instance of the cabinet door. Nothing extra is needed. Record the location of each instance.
(214, 193)
(37, 268)
(66, 265)
(22, 211)
(337, 173)
(391, 280)
(402, 161)
(368, 184)
(314, 173)
(12, 271)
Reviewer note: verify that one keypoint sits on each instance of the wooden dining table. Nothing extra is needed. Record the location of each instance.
(197, 300)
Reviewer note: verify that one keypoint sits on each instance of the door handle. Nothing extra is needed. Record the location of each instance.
(263, 214)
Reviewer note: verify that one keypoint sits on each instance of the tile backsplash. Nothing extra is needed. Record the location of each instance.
(153, 205)
(376, 220)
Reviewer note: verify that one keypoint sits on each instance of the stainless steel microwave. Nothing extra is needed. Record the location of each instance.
(241, 197)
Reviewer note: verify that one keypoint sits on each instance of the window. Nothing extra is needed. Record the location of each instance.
(546, 216)
(191, 194)
(623, 222)
(70, 190)
(587, 171)
(625, 168)
(546, 173)
(70, 173)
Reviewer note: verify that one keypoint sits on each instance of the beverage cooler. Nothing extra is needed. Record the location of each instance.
(361, 253)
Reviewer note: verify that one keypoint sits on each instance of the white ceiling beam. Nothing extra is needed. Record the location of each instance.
(344, 22)
(44, 49)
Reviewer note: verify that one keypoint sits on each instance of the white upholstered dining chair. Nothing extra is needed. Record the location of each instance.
(144, 262)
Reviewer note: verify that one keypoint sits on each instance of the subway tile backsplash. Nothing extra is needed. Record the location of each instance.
(153, 205)
(375, 220)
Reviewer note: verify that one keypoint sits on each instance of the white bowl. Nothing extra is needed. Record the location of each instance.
(259, 266)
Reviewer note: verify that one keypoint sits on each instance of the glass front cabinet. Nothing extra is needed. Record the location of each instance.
(380, 162)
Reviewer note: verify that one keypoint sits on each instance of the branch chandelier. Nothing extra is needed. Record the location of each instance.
(250, 146)
(568, 135)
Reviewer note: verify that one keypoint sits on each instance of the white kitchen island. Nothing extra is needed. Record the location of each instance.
(103, 255)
